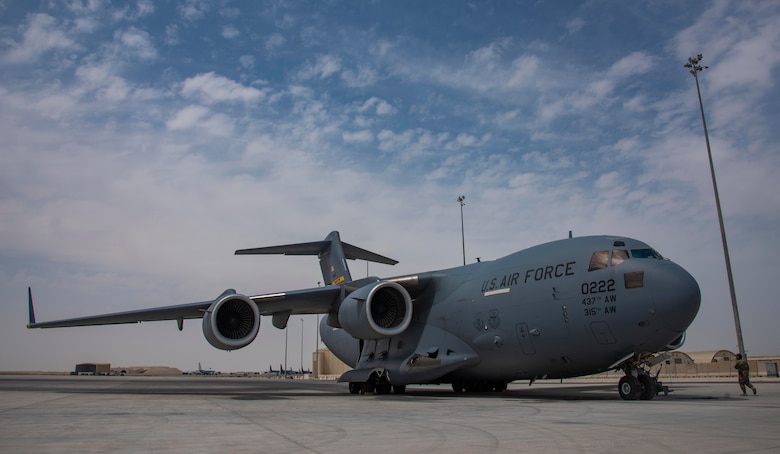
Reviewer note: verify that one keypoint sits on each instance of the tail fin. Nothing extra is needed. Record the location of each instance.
(333, 255)
(30, 308)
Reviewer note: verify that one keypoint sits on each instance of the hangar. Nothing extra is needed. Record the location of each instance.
(92, 369)
(715, 363)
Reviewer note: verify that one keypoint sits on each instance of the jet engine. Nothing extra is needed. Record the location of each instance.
(376, 311)
(231, 322)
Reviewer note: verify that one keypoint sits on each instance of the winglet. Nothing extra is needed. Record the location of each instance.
(30, 307)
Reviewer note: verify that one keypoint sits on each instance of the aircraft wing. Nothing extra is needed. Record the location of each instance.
(317, 300)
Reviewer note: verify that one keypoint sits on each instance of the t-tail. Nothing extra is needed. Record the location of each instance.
(333, 255)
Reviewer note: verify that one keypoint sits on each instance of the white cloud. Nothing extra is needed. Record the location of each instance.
(145, 7)
(364, 136)
(40, 34)
(247, 61)
(135, 42)
(172, 34)
(363, 76)
(608, 181)
(187, 117)
(634, 63)
(230, 32)
(322, 67)
(274, 41)
(466, 140)
(575, 25)
(379, 106)
(99, 79)
(200, 118)
(523, 71)
(211, 88)
(193, 10)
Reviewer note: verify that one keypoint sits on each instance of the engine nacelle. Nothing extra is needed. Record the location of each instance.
(231, 322)
(376, 311)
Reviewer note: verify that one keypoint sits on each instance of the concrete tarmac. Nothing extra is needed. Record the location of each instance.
(196, 414)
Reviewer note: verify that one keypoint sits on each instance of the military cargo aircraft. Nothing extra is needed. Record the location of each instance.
(567, 308)
(202, 371)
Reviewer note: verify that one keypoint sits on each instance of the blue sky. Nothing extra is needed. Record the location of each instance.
(144, 142)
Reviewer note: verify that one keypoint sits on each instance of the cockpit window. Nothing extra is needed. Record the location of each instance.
(645, 254)
(619, 256)
(598, 261)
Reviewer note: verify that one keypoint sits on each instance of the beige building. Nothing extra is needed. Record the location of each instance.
(326, 365)
(716, 363)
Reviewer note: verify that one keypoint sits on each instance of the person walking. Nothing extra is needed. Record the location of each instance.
(743, 368)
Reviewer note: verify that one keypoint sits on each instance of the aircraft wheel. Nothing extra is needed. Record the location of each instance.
(399, 389)
(630, 388)
(355, 387)
(650, 386)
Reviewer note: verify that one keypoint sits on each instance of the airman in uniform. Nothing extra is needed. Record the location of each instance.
(744, 374)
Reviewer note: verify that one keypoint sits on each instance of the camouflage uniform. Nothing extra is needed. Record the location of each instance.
(744, 376)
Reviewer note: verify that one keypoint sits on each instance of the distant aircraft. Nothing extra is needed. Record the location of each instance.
(202, 371)
(287, 372)
(568, 308)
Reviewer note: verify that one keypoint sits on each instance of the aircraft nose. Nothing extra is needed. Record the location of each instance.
(678, 297)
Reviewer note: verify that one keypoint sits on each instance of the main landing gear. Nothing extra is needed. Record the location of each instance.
(639, 385)
(376, 384)
(369, 388)
(478, 386)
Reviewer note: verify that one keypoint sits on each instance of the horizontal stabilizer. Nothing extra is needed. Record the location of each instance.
(315, 248)
(331, 252)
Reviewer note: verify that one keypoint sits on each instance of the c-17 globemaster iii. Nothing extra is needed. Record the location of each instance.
(568, 308)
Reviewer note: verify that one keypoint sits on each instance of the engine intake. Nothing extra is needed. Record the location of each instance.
(376, 311)
(231, 322)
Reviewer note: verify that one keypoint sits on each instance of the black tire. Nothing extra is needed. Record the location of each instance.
(630, 388)
(459, 387)
(650, 387)
(399, 389)
(355, 387)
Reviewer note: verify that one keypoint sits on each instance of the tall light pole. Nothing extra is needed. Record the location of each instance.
(285, 351)
(301, 345)
(462, 231)
(317, 345)
(695, 68)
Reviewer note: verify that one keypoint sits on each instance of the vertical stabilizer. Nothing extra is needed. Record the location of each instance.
(30, 308)
(333, 261)
(333, 255)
